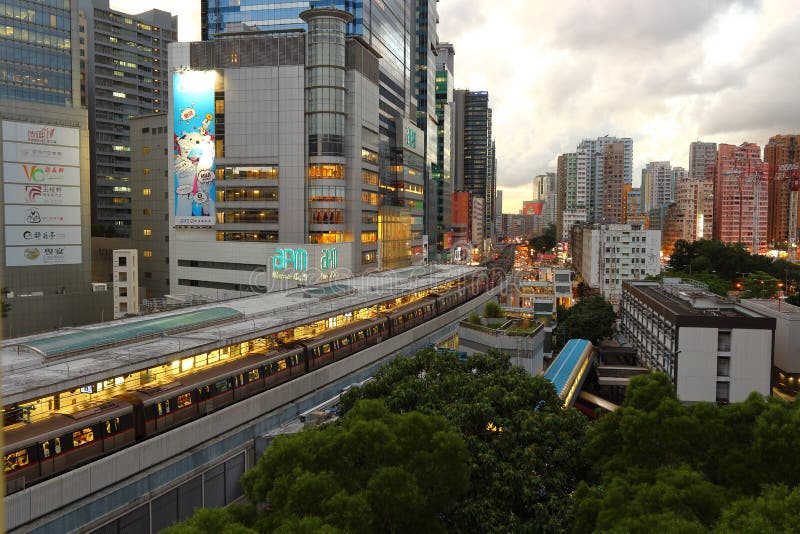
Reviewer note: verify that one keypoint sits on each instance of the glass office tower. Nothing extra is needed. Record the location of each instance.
(36, 59)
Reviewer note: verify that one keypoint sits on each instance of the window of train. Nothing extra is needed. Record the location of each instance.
(16, 460)
(255, 374)
(82, 437)
(184, 399)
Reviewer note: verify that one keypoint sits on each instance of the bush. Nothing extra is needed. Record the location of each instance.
(492, 309)
(474, 318)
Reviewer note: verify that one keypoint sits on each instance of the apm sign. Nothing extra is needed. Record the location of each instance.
(296, 259)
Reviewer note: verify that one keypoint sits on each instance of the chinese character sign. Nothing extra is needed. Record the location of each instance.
(193, 121)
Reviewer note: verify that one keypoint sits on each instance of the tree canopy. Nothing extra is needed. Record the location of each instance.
(524, 449)
(545, 241)
(659, 464)
(590, 318)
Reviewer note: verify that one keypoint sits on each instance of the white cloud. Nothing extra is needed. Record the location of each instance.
(664, 73)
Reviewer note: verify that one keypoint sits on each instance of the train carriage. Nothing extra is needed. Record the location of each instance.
(63, 441)
(411, 315)
(339, 343)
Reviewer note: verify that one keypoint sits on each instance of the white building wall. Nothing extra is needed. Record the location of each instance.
(751, 363)
(697, 364)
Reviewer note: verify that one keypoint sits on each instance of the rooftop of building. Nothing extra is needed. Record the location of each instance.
(69, 358)
(687, 298)
(773, 308)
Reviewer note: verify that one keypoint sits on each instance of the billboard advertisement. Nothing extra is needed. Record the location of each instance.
(42, 194)
(193, 151)
(42, 255)
(30, 173)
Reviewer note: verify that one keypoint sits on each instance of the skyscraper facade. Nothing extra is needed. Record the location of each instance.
(590, 170)
(781, 151)
(387, 27)
(740, 196)
(570, 196)
(474, 148)
(425, 46)
(657, 185)
(701, 155)
(125, 75)
(442, 170)
(613, 182)
(39, 53)
(45, 248)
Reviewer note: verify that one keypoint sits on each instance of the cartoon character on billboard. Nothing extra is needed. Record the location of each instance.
(194, 150)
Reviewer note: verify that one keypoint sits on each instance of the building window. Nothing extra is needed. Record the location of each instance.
(328, 171)
(368, 257)
(147, 211)
(369, 178)
(122, 261)
(723, 342)
(147, 253)
(145, 171)
(723, 366)
(369, 197)
(146, 192)
(370, 156)
(723, 391)
(147, 231)
(369, 237)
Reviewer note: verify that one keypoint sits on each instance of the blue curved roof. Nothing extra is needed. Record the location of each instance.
(565, 363)
(114, 335)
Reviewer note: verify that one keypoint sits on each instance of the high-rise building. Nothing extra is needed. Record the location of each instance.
(425, 46)
(443, 168)
(462, 224)
(657, 186)
(740, 196)
(590, 170)
(309, 152)
(701, 155)
(498, 203)
(545, 190)
(45, 249)
(781, 152)
(570, 195)
(387, 26)
(149, 205)
(608, 254)
(474, 148)
(124, 74)
(613, 183)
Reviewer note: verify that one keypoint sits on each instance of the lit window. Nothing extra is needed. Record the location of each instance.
(147, 231)
(145, 170)
(146, 150)
(147, 192)
(119, 95)
(147, 253)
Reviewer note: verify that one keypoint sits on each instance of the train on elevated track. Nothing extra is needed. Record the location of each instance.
(63, 441)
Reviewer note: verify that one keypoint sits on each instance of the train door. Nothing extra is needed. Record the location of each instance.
(138, 420)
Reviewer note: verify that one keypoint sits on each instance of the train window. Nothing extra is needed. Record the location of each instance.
(281, 365)
(344, 341)
(326, 348)
(316, 352)
(57, 445)
(221, 386)
(46, 449)
(255, 374)
(294, 360)
(361, 334)
(16, 460)
(184, 399)
(81, 437)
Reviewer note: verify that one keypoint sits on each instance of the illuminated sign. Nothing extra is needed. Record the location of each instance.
(194, 154)
(411, 137)
(330, 259)
(288, 258)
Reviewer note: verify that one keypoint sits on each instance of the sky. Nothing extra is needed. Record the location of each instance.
(663, 73)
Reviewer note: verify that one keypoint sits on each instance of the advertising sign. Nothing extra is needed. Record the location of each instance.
(35, 194)
(411, 138)
(40, 134)
(44, 215)
(40, 154)
(42, 255)
(193, 151)
(31, 173)
(43, 235)
(42, 194)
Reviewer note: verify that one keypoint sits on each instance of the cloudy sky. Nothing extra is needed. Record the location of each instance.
(664, 73)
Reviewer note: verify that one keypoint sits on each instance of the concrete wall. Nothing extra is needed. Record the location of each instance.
(112, 486)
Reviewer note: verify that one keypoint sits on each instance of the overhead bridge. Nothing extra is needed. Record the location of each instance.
(569, 369)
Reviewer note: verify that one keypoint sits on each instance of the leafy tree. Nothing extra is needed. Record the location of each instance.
(375, 472)
(524, 448)
(774, 511)
(591, 318)
(759, 285)
(474, 318)
(231, 520)
(492, 309)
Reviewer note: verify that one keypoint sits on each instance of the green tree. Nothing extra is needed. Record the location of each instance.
(591, 318)
(231, 520)
(492, 309)
(346, 474)
(546, 241)
(759, 285)
(774, 511)
(524, 448)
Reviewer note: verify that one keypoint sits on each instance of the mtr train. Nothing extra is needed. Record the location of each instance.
(63, 441)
